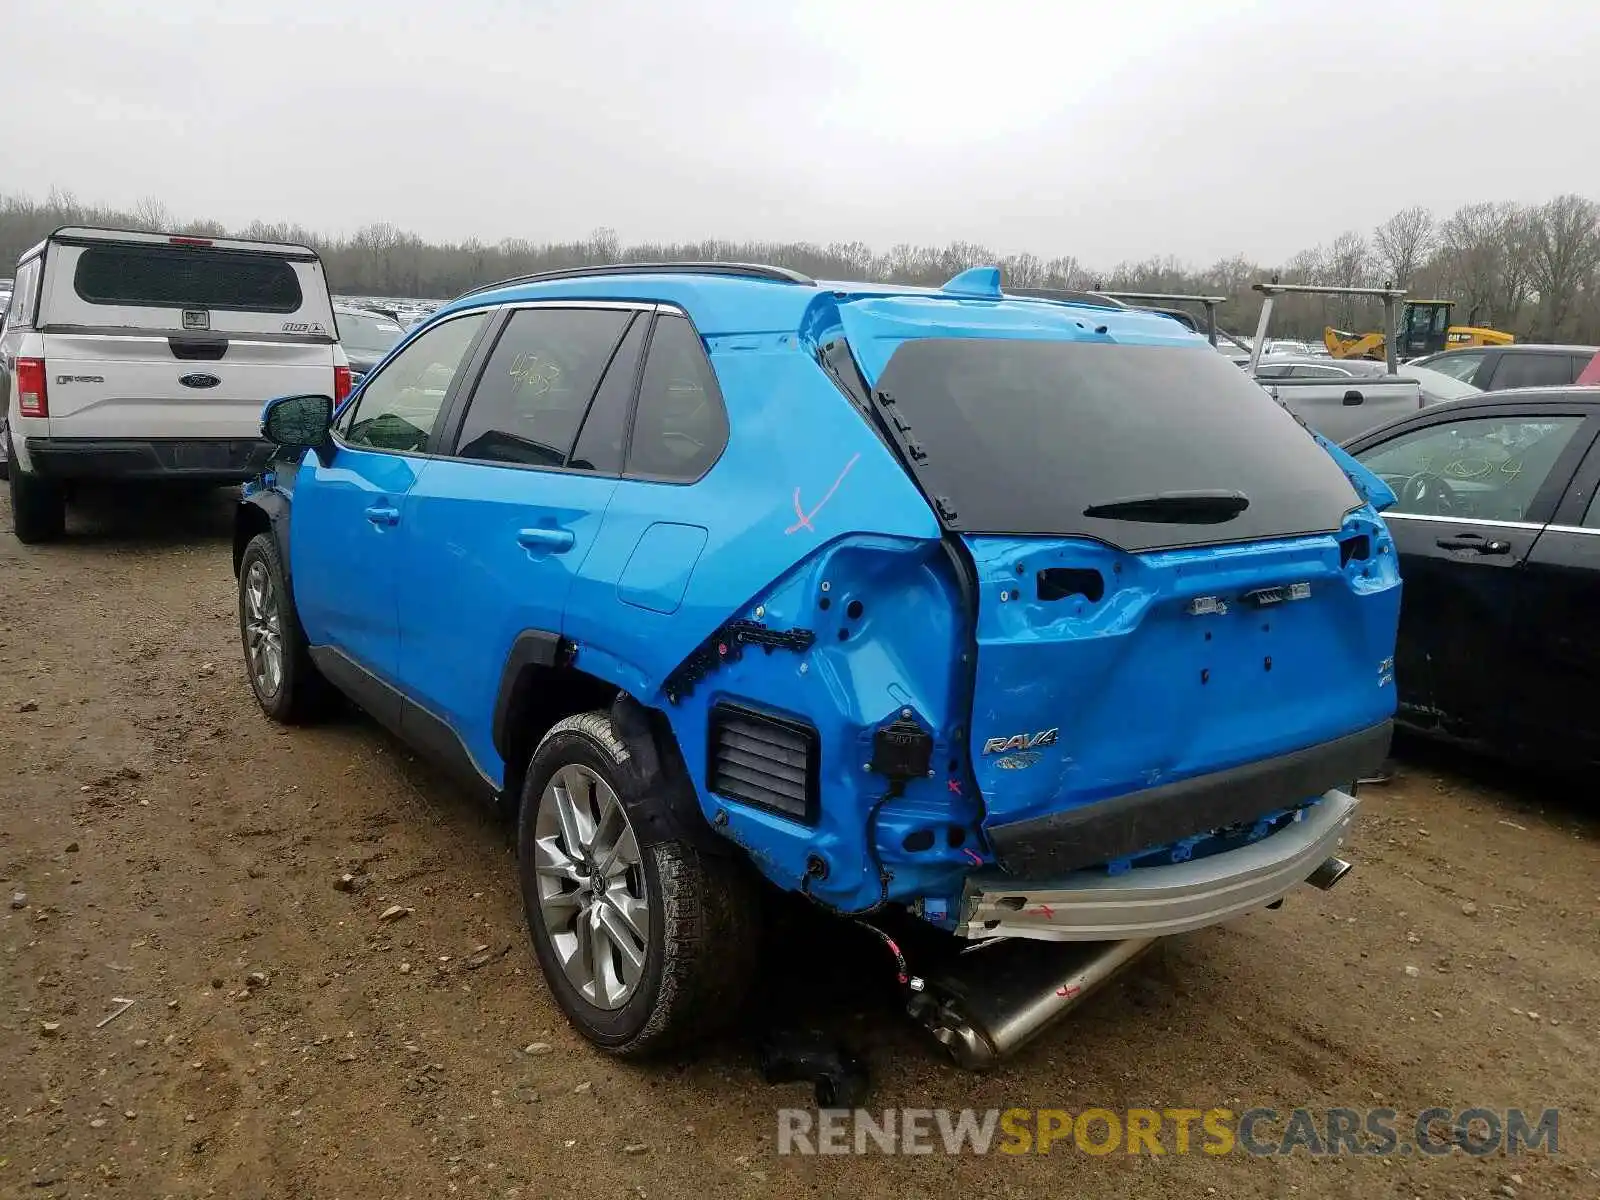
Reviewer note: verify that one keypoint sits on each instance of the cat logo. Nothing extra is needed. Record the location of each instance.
(1021, 741)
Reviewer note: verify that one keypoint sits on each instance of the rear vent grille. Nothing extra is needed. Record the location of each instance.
(766, 761)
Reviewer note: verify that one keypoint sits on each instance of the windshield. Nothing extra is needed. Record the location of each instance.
(1143, 447)
(367, 331)
(1455, 364)
(1439, 386)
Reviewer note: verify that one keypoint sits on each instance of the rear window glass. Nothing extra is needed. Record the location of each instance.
(151, 276)
(1143, 447)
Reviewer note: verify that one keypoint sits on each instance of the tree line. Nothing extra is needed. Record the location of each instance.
(1533, 270)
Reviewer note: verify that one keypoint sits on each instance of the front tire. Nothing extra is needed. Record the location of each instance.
(277, 662)
(645, 943)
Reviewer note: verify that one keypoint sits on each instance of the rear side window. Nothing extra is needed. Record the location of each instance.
(24, 295)
(1531, 370)
(537, 385)
(151, 276)
(1143, 447)
(679, 426)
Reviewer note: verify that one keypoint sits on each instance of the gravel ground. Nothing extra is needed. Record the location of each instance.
(164, 844)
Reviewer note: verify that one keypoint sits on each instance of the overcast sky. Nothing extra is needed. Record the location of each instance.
(1110, 129)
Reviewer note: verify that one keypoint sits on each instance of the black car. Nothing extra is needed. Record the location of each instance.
(1498, 532)
(366, 336)
(1497, 368)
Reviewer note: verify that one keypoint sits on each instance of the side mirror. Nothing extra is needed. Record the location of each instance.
(298, 422)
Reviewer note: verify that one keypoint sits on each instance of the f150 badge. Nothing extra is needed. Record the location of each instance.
(1021, 741)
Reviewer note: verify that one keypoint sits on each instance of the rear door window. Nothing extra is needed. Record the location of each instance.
(1143, 447)
(602, 442)
(537, 385)
(1531, 370)
(190, 277)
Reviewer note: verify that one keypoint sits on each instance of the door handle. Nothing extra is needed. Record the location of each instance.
(1473, 541)
(382, 514)
(542, 537)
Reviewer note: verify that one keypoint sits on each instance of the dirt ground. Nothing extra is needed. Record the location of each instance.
(169, 843)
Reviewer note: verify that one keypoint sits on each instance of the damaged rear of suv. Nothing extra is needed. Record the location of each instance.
(1036, 620)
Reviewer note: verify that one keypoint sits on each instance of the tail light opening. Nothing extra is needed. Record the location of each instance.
(32, 400)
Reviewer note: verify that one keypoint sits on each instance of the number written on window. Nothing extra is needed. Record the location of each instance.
(1488, 467)
(537, 385)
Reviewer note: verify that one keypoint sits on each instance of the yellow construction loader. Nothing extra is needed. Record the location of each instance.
(1424, 329)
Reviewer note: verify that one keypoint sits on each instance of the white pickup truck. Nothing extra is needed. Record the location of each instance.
(145, 356)
(1338, 409)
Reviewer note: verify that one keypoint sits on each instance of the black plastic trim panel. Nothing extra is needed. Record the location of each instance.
(1045, 847)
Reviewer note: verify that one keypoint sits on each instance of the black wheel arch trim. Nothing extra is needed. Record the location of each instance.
(530, 648)
(275, 505)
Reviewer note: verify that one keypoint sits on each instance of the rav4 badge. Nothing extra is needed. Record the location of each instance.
(1021, 741)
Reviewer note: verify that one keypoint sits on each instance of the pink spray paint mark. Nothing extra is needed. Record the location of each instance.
(973, 856)
(805, 517)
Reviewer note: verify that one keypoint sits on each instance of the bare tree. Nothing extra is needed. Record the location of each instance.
(152, 216)
(1403, 243)
(1483, 261)
(1022, 271)
(1565, 252)
(1533, 271)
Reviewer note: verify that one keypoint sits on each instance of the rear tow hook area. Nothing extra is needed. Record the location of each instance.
(998, 996)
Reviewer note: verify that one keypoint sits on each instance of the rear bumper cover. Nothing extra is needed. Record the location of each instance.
(220, 460)
(1125, 826)
(1149, 902)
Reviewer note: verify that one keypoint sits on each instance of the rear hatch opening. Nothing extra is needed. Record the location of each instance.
(1181, 622)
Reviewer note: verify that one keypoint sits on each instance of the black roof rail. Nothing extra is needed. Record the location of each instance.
(742, 270)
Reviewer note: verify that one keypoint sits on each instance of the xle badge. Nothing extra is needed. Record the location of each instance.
(1021, 741)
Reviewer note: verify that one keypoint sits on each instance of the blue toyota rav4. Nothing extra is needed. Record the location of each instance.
(1037, 620)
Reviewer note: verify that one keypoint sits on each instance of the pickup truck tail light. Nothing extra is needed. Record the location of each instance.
(341, 384)
(31, 398)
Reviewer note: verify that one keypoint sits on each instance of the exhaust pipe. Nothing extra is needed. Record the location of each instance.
(1003, 994)
(1329, 873)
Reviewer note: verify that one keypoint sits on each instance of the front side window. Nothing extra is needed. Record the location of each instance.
(1490, 468)
(396, 409)
(367, 333)
(537, 385)
(679, 426)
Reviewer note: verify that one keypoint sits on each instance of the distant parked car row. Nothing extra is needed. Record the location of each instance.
(1498, 368)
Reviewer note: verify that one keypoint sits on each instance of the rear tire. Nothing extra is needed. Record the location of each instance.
(646, 942)
(277, 661)
(38, 507)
